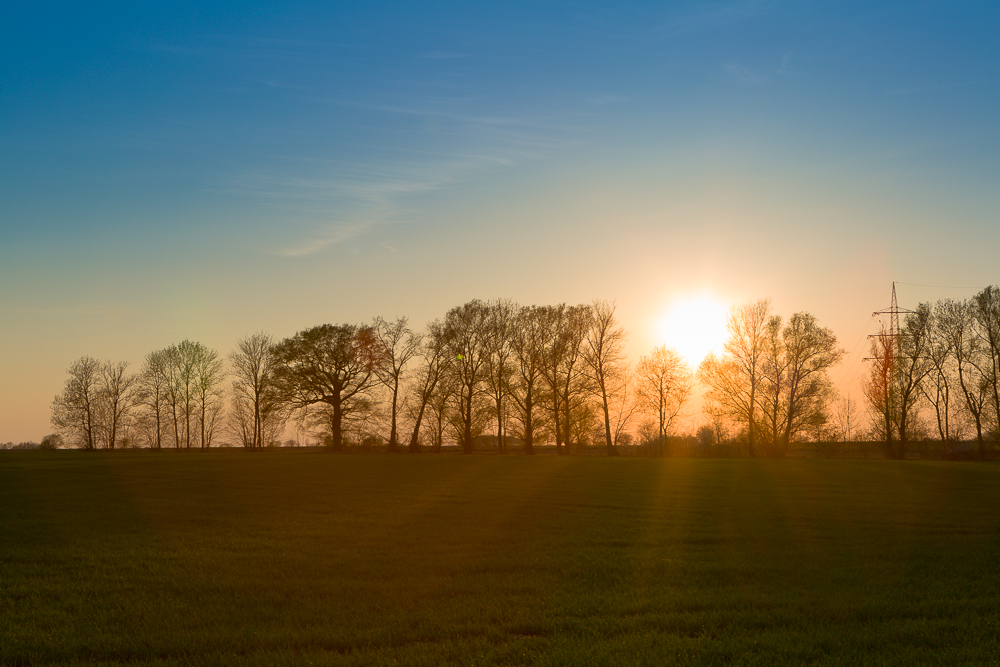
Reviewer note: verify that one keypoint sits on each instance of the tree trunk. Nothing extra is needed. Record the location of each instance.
(607, 426)
(414, 447)
(393, 441)
(336, 425)
(529, 435)
(467, 419)
(558, 426)
(500, 443)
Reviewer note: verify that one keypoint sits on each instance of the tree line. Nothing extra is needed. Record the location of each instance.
(938, 372)
(522, 374)
(498, 374)
(491, 373)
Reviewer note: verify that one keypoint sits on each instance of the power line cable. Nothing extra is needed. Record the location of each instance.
(899, 282)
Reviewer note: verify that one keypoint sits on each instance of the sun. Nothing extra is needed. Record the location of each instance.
(694, 325)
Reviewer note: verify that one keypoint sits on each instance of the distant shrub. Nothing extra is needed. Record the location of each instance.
(51, 442)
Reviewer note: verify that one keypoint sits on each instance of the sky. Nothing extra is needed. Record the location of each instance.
(202, 171)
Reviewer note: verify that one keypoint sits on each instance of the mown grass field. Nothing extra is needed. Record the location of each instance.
(303, 557)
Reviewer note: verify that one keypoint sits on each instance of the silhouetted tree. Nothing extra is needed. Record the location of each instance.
(622, 405)
(735, 380)
(95, 407)
(796, 389)
(879, 387)
(257, 414)
(604, 361)
(434, 349)
(155, 392)
(532, 333)
(937, 388)
(467, 333)
(209, 374)
(51, 442)
(183, 362)
(956, 324)
(913, 364)
(499, 353)
(564, 369)
(75, 412)
(846, 419)
(330, 365)
(663, 383)
(118, 400)
(986, 312)
(400, 345)
(440, 409)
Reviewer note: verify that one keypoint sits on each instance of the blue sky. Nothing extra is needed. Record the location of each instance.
(203, 171)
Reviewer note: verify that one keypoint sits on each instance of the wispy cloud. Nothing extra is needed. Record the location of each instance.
(346, 199)
(711, 16)
(443, 55)
(440, 139)
(743, 75)
(916, 90)
(332, 234)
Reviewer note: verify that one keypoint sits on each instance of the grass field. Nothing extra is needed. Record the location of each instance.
(303, 557)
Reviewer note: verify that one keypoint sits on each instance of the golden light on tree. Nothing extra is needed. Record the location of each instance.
(694, 325)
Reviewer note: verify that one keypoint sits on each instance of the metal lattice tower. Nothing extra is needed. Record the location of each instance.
(889, 350)
(890, 338)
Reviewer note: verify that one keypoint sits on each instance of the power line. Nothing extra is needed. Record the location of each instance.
(898, 282)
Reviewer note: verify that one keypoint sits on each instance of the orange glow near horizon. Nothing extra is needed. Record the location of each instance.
(694, 325)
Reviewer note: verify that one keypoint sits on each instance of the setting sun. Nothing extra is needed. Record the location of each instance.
(694, 326)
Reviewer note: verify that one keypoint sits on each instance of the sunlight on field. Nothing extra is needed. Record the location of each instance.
(289, 557)
(694, 325)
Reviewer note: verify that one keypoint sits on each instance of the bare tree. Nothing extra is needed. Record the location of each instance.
(178, 407)
(434, 349)
(400, 345)
(75, 412)
(900, 360)
(809, 352)
(912, 366)
(564, 369)
(986, 312)
(118, 400)
(956, 323)
(773, 387)
(257, 414)
(937, 388)
(440, 409)
(846, 418)
(499, 352)
(466, 330)
(183, 361)
(879, 387)
(96, 406)
(209, 374)
(154, 390)
(330, 365)
(663, 383)
(735, 380)
(623, 406)
(604, 361)
(533, 331)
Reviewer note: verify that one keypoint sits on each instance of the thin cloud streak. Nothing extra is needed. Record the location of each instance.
(726, 13)
(370, 194)
(333, 235)
(944, 86)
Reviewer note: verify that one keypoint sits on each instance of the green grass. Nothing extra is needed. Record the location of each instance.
(301, 557)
